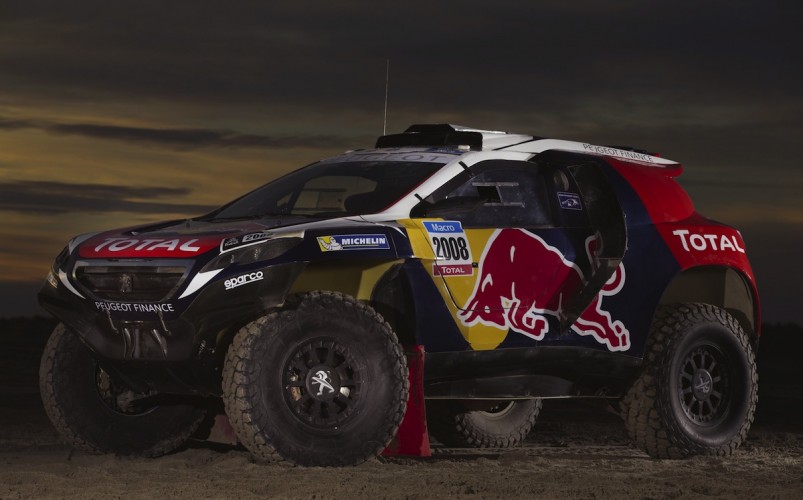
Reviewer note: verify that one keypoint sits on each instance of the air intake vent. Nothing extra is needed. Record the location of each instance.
(431, 135)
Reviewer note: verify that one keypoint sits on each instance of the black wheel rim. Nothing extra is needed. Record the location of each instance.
(499, 410)
(704, 385)
(322, 383)
(118, 398)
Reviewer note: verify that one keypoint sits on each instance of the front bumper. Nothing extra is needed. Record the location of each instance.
(174, 344)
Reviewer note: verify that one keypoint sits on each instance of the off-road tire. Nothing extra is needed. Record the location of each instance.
(697, 392)
(503, 424)
(274, 396)
(68, 384)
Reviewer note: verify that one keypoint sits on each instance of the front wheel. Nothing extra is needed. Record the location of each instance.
(324, 384)
(94, 412)
(698, 391)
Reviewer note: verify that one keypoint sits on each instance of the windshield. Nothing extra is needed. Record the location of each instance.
(331, 189)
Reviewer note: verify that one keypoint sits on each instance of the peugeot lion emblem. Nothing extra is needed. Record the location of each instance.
(126, 283)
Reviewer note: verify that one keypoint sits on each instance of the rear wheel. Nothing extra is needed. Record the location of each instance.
(698, 391)
(482, 424)
(321, 385)
(96, 413)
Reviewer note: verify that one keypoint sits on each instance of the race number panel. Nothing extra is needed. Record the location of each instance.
(451, 248)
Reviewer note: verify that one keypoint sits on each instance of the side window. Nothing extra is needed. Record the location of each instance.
(330, 193)
(509, 196)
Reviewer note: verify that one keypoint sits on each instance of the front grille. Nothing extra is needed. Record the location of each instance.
(130, 283)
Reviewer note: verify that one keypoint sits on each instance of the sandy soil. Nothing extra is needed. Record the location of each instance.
(578, 450)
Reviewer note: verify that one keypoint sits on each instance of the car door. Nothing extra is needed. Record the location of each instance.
(504, 253)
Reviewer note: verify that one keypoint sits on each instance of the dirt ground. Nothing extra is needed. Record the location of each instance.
(578, 450)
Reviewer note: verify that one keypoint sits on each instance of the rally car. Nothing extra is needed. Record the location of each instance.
(506, 268)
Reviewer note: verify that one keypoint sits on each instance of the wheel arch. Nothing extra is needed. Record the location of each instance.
(355, 277)
(393, 299)
(722, 286)
(382, 284)
(358, 278)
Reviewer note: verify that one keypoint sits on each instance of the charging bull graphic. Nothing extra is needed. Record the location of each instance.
(523, 280)
(597, 322)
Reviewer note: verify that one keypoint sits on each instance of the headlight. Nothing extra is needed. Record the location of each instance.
(52, 280)
(266, 250)
(58, 264)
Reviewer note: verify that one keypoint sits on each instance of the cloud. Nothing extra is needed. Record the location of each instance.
(544, 57)
(177, 138)
(60, 197)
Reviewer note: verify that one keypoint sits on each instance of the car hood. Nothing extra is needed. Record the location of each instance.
(190, 238)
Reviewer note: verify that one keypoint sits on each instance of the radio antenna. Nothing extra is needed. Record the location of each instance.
(387, 82)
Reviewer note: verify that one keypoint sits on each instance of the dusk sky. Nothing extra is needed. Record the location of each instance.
(118, 113)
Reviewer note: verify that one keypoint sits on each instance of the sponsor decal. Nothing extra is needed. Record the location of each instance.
(133, 307)
(243, 279)
(243, 241)
(353, 242)
(114, 247)
(147, 245)
(619, 153)
(570, 201)
(248, 238)
(703, 242)
(390, 155)
(523, 282)
(452, 251)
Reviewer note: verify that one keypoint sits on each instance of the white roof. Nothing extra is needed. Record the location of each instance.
(498, 140)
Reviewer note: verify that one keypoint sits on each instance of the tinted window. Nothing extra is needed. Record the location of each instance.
(499, 194)
(332, 190)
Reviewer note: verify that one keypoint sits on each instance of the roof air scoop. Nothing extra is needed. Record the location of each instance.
(432, 135)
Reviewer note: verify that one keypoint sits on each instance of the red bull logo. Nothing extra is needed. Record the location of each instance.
(598, 323)
(523, 281)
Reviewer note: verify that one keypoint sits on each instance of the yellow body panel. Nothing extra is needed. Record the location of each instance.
(357, 278)
(456, 290)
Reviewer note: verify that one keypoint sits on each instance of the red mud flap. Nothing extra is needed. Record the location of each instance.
(412, 438)
(222, 432)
